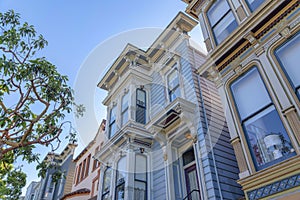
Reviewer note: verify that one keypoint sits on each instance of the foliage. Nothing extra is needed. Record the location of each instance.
(34, 98)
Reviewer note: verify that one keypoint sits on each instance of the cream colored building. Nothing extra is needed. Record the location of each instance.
(253, 57)
(87, 170)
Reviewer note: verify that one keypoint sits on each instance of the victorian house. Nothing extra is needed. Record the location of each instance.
(253, 49)
(63, 162)
(167, 134)
(87, 170)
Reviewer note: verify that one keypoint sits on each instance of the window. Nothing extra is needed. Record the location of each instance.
(266, 136)
(253, 4)
(222, 20)
(87, 168)
(96, 163)
(106, 183)
(120, 179)
(140, 177)
(112, 122)
(82, 176)
(124, 108)
(140, 106)
(78, 173)
(173, 85)
(288, 57)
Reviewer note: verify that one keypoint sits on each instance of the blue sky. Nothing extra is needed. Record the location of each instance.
(75, 29)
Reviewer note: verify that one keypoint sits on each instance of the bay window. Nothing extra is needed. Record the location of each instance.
(254, 4)
(106, 183)
(124, 108)
(140, 106)
(140, 177)
(112, 122)
(173, 85)
(288, 57)
(222, 20)
(120, 179)
(267, 138)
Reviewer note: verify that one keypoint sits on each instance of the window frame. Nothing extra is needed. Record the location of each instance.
(230, 10)
(139, 180)
(144, 108)
(123, 111)
(174, 89)
(103, 182)
(283, 68)
(112, 122)
(122, 184)
(253, 9)
(253, 114)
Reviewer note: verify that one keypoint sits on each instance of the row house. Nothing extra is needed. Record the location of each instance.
(87, 170)
(253, 49)
(167, 134)
(63, 162)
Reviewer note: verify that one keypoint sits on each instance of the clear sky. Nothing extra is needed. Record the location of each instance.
(77, 32)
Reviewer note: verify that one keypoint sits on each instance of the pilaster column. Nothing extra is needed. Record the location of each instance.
(167, 150)
(240, 157)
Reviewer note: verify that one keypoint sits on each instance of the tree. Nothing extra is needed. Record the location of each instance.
(34, 96)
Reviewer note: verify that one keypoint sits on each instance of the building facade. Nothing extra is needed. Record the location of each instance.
(31, 191)
(86, 178)
(167, 135)
(253, 48)
(63, 162)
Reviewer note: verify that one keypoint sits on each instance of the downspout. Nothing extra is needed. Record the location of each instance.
(209, 136)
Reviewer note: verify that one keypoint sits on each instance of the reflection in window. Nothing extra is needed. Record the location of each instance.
(253, 4)
(120, 179)
(141, 106)
(140, 179)
(112, 122)
(288, 57)
(106, 183)
(222, 20)
(124, 108)
(173, 85)
(267, 138)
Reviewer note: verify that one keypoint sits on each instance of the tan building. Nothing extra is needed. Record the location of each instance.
(87, 170)
(253, 48)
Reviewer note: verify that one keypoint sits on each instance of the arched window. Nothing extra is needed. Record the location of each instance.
(112, 122)
(140, 106)
(140, 177)
(124, 108)
(120, 179)
(222, 20)
(288, 57)
(267, 138)
(106, 183)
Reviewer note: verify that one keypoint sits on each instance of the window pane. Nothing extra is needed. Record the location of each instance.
(173, 80)
(106, 181)
(140, 167)
(267, 138)
(188, 157)
(140, 115)
(120, 192)
(139, 190)
(112, 129)
(113, 114)
(253, 4)
(141, 97)
(125, 102)
(226, 26)
(217, 11)
(124, 117)
(288, 55)
(249, 93)
(121, 170)
(174, 94)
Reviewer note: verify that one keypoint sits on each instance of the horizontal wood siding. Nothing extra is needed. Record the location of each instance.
(158, 173)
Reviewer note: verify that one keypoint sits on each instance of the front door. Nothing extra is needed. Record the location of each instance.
(192, 183)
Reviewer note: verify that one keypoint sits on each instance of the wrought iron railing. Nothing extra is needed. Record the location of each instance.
(193, 195)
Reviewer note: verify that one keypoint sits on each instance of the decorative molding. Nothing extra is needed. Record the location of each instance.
(273, 188)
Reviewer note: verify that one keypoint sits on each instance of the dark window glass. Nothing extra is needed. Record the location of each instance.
(140, 106)
(106, 183)
(188, 157)
(120, 179)
(112, 122)
(266, 136)
(222, 20)
(124, 109)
